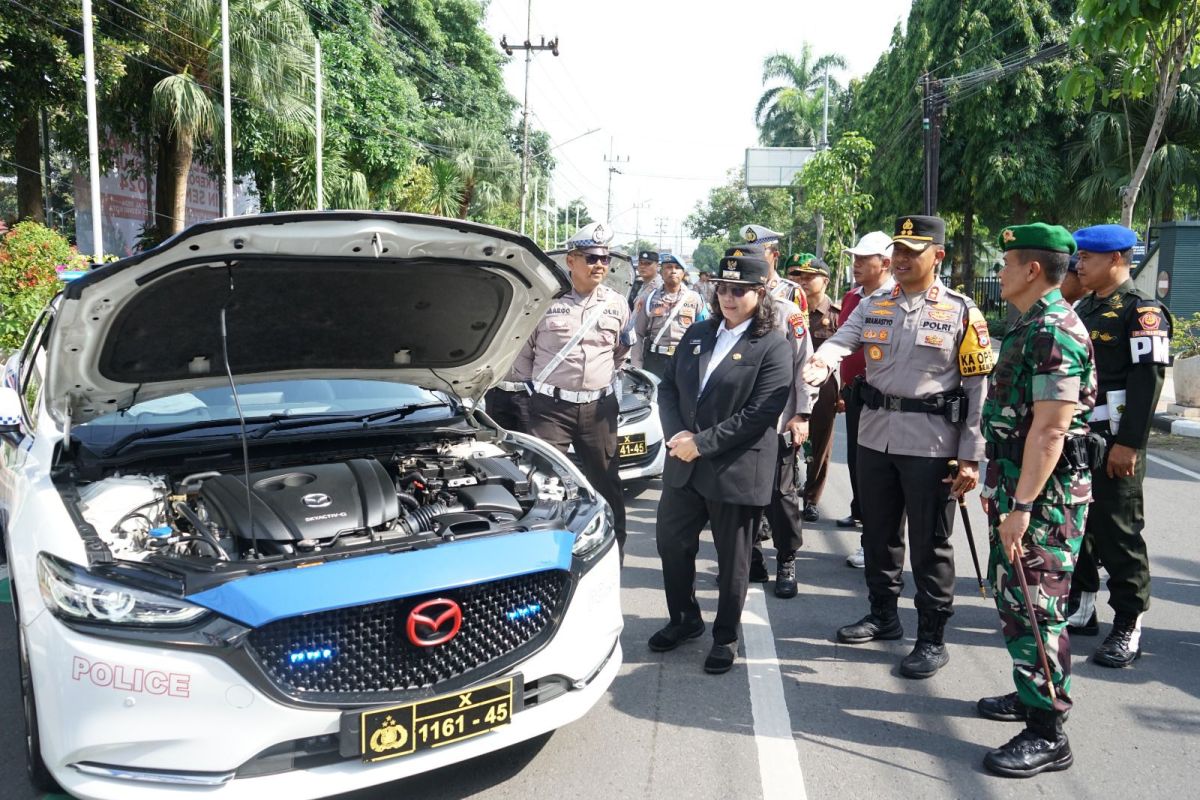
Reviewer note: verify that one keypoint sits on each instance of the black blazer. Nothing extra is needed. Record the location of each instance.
(734, 419)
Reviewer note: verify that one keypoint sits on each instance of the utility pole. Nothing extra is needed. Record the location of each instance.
(825, 125)
(535, 207)
(228, 109)
(612, 160)
(931, 129)
(637, 222)
(320, 137)
(660, 224)
(89, 72)
(529, 49)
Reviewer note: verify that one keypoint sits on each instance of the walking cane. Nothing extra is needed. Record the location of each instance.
(962, 507)
(1037, 633)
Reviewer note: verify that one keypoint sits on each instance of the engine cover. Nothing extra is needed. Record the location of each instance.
(317, 502)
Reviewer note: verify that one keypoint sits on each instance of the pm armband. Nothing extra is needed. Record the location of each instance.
(975, 355)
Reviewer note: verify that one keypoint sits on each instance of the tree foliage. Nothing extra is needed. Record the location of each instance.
(832, 186)
(791, 113)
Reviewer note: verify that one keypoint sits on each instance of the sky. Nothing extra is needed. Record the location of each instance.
(670, 86)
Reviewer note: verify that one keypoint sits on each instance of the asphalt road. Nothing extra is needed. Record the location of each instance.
(803, 716)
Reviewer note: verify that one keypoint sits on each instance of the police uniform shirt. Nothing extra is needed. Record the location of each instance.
(652, 316)
(789, 320)
(789, 291)
(918, 347)
(590, 364)
(1131, 335)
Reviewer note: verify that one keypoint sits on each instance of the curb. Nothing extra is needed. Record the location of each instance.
(1176, 426)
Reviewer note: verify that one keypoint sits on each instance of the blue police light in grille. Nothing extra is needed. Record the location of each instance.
(318, 655)
(521, 612)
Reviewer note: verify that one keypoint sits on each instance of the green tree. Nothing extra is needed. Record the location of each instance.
(1156, 40)
(708, 254)
(791, 114)
(731, 205)
(832, 183)
(271, 58)
(445, 190)
(487, 166)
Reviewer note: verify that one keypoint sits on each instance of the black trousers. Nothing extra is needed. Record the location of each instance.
(853, 413)
(912, 484)
(682, 515)
(787, 526)
(1113, 538)
(592, 429)
(510, 410)
(657, 363)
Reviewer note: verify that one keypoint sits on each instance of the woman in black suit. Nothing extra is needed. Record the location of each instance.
(726, 386)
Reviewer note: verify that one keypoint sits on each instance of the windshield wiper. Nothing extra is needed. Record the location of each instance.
(182, 427)
(383, 415)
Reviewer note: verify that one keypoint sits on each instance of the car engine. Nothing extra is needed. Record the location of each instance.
(439, 491)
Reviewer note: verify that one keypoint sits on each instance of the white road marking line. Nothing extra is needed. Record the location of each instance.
(1162, 462)
(778, 760)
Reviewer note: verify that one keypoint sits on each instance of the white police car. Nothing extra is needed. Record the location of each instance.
(331, 577)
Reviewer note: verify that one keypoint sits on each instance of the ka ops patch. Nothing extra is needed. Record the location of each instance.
(975, 356)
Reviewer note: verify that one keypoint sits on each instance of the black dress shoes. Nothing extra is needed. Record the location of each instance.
(847, 522)
(785, 579)
(1122, 646)
(810, 513)
(720, 658)
(1029, 753)
(676, 634)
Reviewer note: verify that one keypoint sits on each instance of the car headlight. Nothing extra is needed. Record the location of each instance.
(75, 594)
(592, 538)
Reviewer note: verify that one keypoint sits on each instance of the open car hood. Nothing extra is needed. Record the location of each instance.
(440, 303)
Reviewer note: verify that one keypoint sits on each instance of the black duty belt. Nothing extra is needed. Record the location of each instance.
(1078, 453)
(951, 405)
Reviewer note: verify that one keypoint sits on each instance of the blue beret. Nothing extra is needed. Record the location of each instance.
(1105, 238)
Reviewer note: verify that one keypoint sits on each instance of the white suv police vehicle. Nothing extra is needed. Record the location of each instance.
(260, 544)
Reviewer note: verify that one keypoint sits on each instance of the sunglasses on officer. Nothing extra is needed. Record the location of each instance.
(735, 289)
(592, 259)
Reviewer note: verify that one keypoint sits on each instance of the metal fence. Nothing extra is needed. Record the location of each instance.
(986, 294)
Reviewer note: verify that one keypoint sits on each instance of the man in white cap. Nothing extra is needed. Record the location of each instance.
(872, 272)
(573, 361)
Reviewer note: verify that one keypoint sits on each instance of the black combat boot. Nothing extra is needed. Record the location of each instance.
(1005, 708)
(1123, 645)
(882, 623)
(1081, 614)
(929, 655)
(1041, 747)
(785, 577)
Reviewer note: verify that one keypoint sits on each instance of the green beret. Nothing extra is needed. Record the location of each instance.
(1037, 236)
(798, 260)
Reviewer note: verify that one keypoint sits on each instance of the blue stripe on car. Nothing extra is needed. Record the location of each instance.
(256, 600)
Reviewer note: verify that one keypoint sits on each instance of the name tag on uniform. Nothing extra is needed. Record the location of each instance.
(671, 350)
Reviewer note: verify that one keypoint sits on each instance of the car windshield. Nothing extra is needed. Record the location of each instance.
(299, 399)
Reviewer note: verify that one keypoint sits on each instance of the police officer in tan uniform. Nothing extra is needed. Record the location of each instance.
(573, 360)
(664, 315)
(928, 356)
(823, 311)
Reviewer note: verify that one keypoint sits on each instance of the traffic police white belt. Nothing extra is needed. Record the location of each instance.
(664, 350)
(511, 386)
(572, 397)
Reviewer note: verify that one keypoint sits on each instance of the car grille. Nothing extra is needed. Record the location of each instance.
(363, 654)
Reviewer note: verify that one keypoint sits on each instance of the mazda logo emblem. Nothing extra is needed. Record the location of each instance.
(434, 622)
(317, 500)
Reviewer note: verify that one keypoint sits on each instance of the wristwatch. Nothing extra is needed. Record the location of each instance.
(1017, 505)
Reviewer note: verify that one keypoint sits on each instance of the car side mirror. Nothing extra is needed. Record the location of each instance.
(10, 414)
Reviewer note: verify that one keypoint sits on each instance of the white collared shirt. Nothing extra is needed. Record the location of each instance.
(726, 339)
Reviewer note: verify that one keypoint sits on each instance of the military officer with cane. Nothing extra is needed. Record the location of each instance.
(1036, 492)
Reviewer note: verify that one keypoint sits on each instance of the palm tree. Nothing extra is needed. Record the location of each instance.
(1103, 158)
(487, 165)
(270, 67)
(790, 114)
(446, 189)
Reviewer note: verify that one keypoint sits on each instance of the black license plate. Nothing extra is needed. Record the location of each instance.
(631, 445)
(403, 730)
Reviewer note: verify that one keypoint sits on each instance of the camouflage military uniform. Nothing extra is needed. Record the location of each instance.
(1047, 355)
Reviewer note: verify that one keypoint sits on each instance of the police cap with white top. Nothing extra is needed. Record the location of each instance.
(591, 238)
(758, 234)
